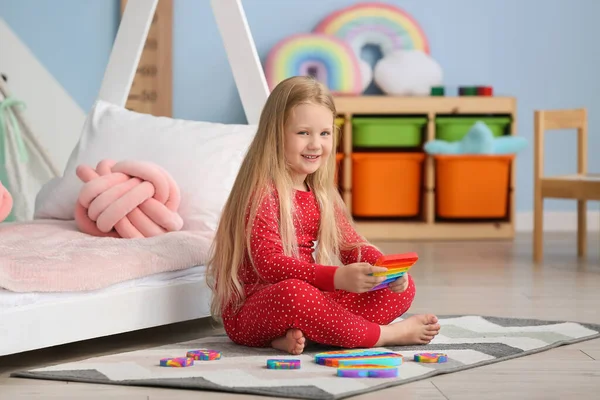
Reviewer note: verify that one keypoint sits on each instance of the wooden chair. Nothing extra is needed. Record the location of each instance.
(580, 186)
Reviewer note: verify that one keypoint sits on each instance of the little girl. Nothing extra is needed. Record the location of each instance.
(272, 286)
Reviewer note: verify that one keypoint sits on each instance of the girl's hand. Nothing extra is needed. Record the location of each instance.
(356, 277)
(400, 284)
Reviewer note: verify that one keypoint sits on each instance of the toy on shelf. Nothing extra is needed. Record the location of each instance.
(397, 265)
(438, 91)
(407, 73)
(478, 140)
(475, 91)
(329, 59)
(486, 91)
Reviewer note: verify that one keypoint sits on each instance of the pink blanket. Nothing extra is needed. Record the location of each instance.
(54, 256)
(128, 199)
(6, 203)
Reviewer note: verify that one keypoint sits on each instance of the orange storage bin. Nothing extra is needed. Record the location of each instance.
(472, 186)
(386, 184)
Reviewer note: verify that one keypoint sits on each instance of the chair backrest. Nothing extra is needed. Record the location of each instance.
(545, 120)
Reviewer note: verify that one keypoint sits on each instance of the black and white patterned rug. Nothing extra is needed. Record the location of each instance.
(469, 342)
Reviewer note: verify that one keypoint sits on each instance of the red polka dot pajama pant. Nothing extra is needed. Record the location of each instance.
(338, 318)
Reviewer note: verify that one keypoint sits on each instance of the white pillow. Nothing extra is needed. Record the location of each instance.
(203, 158)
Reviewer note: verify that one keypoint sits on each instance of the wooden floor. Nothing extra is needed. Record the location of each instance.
(493, 278)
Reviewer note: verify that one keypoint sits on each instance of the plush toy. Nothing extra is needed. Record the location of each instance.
(6, 203)
(478, 140)
(366, 73)
(407, 73)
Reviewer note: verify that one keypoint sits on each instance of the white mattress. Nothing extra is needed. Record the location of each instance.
(10, 299)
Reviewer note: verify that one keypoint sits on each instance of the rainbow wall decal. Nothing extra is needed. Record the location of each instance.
(379, 24)
(328, 58)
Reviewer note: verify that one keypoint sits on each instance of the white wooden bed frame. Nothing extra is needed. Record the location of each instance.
(101, 314)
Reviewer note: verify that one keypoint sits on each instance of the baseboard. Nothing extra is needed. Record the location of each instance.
(557, 221)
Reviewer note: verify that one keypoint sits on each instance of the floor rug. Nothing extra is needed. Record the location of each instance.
(468, 341)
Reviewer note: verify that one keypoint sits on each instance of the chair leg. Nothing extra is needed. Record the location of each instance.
(538, 229)
(581, 228)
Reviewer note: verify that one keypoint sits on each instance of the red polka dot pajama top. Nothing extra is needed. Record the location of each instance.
(298, 293)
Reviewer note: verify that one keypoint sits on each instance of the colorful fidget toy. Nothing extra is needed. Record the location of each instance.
(397, 265)
(345, 358)
(431, 357)
(274, 363)
(176, 362)
(368, 371)
(204, 355)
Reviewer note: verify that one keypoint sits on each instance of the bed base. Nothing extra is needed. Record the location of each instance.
(92, 316)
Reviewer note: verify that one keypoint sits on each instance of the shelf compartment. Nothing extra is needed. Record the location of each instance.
(339, 169)
(339, 124)
(472, 186)
(387, 184)
(387, 132)
(454, 128)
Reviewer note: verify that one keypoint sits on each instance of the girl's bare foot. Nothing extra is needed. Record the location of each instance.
(293, 342)
(418, 329)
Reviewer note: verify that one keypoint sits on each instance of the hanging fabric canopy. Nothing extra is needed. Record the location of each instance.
(25, 165)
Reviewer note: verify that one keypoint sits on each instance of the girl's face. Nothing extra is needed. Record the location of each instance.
(308, 140)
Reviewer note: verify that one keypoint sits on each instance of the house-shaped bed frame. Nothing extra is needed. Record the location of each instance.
(84, 316)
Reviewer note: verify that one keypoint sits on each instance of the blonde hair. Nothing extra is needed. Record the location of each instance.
(263, 170)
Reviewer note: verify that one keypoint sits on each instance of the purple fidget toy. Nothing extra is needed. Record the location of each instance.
(368, 371)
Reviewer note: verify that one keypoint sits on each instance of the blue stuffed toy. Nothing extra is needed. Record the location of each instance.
(478, 140)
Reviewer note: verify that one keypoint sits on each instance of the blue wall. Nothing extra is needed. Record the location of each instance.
(541, 54)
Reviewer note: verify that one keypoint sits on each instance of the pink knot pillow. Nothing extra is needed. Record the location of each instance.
(128, 199)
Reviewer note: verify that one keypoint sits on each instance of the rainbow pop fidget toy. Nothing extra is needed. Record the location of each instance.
(397, 265)
(204, 355)
(177, 362)
(431, 357)
(347, 358)
(275, 363)
(368, 371)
